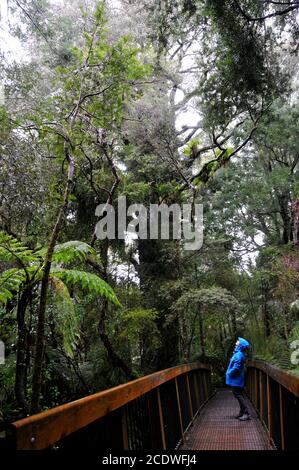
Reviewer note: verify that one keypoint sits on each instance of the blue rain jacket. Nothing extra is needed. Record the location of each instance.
(235, 370)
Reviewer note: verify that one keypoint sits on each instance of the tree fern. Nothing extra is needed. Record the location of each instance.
(67, 319)
(10, 283)
(70, 252)
(13, 280)
(86, 281)
(12, 250)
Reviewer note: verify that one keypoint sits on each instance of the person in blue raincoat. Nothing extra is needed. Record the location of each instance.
(235, 377)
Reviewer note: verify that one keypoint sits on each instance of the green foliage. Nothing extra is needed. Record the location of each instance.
(14, 280)
(5, 125)
(11, 282)
(193, 143)
(107, 73)
(294, 308)
(240, 74)
(12, 250)
(7, 392)
(274, 349)
(294, 334)
(225, 155)
(87, 282)
(212, 299)
(139, 337)
(67, 319)
(138, 321)
(70, 252)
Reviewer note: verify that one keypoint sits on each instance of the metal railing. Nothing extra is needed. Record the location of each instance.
(153, 412)
(275, 395)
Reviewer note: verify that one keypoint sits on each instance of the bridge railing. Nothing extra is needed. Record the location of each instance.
(152, 412)
(275, 395)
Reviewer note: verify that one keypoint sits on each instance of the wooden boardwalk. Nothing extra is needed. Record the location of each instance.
(216, 428)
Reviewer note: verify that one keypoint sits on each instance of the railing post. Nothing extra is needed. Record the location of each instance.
(269, 408)
(161, 419)
(281, 415)
(261, 395)
(253, 384)
(189, 397)
(179, 407)
(199, 388)
(155, 438)
(196, 392)
(255, 387)
(124, 424)
(205, 386)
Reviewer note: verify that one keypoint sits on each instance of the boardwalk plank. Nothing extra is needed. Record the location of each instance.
(217, 429)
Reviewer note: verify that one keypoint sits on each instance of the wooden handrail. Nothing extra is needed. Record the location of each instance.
(286, 379)
(274, 393)
(41, 430)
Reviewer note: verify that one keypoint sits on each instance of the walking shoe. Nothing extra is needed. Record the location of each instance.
(238, 416)
(244, 417)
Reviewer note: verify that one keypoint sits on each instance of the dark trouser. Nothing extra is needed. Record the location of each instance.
(238, 394)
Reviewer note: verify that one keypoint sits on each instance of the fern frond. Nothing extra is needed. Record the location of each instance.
(13, 280)
(86, 281)
(69, 252)
(10, 282)
(67, 318)
(12, 250)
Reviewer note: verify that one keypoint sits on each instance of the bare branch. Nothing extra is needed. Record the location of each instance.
(292, 6)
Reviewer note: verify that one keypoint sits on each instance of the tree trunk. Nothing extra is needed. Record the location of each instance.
(153, 272)
(184, 337)
(254, 308)
(39, 348)
(283, 200)
(115, 359)
(234, 323)
(265, 312)
(20, 378)
(285, 325)
(29, 343)
(201, 335)
(295, 222)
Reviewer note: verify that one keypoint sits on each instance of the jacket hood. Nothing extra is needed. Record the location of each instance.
(243, 345)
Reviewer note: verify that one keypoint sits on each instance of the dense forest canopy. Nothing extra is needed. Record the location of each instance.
(174, 102)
